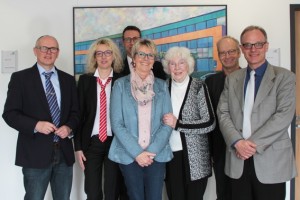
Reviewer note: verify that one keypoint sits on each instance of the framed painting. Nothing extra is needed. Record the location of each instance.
(196, 27)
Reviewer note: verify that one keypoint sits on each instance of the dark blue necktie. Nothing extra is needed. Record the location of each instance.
(52, 101)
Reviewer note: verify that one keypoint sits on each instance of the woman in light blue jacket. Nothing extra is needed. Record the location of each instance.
(141, 142)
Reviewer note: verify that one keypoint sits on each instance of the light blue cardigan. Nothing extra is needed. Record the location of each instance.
(124, 123)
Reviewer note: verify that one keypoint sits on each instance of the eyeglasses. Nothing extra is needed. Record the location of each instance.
(129, 39)
(143, 55)
(257, 45)
(231, 52)
(45, 49)
(181, 64)
(107, 53)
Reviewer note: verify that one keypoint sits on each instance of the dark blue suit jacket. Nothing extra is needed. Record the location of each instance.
(26, 104)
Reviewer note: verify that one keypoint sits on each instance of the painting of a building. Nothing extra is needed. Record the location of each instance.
(198, 33)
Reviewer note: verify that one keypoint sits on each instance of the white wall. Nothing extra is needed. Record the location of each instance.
(22, 22)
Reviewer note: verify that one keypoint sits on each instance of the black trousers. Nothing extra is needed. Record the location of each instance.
(223, 185)
(248, 186)
(97, 158)
(178, 188)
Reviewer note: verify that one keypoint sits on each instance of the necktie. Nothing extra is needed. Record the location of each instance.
(103, 113)
(52, 101)
(248, 105)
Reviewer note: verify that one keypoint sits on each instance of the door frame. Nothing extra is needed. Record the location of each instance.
(293, 9)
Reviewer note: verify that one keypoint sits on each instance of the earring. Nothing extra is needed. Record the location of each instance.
(133, 64)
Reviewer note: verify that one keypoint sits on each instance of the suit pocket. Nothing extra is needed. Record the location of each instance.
(282, 144)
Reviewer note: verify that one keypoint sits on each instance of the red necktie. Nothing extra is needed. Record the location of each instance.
(103, 114)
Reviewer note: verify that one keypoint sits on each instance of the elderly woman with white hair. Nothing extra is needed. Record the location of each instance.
(192, 119)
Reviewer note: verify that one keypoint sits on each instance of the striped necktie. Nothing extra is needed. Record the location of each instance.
(52, 101)
(103, 112)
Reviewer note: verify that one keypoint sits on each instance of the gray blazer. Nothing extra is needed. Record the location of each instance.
(272, 113)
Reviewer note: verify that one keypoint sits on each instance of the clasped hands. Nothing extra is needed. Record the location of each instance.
(46, 128)
(145, 159)
(245, 149)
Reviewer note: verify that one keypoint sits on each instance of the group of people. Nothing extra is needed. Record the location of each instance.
(139, 123)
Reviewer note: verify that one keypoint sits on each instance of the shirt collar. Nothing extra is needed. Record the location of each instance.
(129, 59)
(42, 70)
(96, 74)
(260, 70)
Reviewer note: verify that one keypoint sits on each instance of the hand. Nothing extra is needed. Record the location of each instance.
(45, 127)
(170, 120)
(81, 158)
(63, 131)
(145, 159)
(245, 149)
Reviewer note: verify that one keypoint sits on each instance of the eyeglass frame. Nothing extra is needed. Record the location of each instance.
(257, 45)
(230, 52)
(107, 53)
(143, 55)
(131, 39)
(45, 49)
(180, 64)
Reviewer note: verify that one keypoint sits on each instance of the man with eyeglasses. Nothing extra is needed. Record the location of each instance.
(131, 34)
(255, 111)
(42, 106)
(229, 54)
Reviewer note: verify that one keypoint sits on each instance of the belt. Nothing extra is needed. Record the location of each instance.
(96, 138)
(56, 144)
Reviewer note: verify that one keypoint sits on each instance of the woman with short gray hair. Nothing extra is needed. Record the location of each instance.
(192, 119)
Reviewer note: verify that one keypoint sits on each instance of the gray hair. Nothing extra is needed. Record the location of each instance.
(181, 52)
(230, 38)
(251, 28)
(37, 43)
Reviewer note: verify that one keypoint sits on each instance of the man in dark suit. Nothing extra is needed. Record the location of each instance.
(229, 54)
(130, 35)
(255, 111)
(44, 146)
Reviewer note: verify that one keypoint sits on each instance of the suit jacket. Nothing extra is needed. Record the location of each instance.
(158, 69)
(26, 104)
(87, 92)
(272, 113)
(215, 85)
(124, 122)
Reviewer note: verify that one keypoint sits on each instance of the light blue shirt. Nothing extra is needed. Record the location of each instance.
(54, 80)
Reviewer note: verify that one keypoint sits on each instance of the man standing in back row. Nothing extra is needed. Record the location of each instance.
(131, 34)
(42, 106)
(229, 54)
(255, 111)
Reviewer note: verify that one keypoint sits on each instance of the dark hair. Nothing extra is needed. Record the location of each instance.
(128, 28)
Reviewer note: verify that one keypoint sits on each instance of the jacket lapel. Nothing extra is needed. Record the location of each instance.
(239, 87)
(36, 78)
(156, 90)
(265, 86)
(127, 86)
